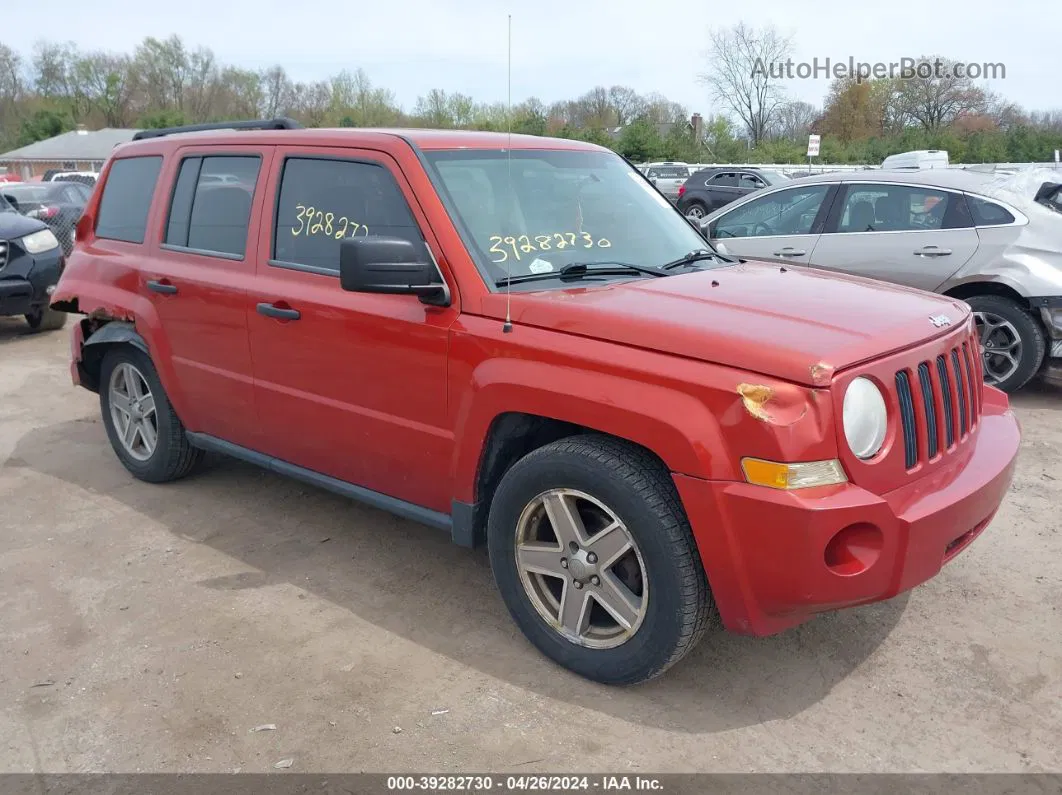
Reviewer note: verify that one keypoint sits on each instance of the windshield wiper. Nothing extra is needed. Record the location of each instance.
(578, 270)
(694, 256)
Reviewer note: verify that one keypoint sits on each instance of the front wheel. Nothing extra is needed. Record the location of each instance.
(45, 318)
(1012, 341)
(595, 559)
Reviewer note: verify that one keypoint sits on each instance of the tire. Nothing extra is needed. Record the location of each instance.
(695, 211)
(1006, 319)
(172, 456)
(676, 604)
(46, 319)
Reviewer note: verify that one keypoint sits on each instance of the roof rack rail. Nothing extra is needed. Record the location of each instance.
(256, 124)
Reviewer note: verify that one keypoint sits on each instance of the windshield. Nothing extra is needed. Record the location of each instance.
(774, 177)
(27, 193)
(563, 207)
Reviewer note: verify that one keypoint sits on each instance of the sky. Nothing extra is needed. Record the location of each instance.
(561, 48)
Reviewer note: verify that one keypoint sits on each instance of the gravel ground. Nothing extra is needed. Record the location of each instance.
(151, 628)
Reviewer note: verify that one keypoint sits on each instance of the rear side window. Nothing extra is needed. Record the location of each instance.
(986, 213)
(211, 206)
(126, 198)
(323, 201)
(729, 180)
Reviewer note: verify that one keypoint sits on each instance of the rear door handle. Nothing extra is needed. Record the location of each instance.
(933, 251)
(161, 286)
(279, 312)
(789, 251)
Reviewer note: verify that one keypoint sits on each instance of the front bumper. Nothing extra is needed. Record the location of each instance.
(25, 279)
(776, 558)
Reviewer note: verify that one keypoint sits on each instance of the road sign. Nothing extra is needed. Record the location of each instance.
(813, 145)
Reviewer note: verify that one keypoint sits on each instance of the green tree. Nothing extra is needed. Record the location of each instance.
(640, 141)
(43, 124)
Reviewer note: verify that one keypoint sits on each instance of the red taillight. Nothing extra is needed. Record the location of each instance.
(682, 189)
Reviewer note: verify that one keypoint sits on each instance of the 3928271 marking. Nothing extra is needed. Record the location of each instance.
(315, 221)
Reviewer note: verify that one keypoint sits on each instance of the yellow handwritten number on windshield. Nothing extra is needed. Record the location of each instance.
(313, 221)
(501, 247)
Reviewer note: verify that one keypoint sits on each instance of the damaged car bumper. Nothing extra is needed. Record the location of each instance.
(1050, 309)
(776, 558)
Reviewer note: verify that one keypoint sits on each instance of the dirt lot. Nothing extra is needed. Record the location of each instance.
(150, 628)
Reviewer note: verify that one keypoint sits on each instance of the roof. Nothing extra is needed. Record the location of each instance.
(354, 136)
(953, 178)
(74, 145)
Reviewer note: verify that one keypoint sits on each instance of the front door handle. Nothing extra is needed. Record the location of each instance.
(789, 251)
(161, 286)
(933, 251)
(279, 312)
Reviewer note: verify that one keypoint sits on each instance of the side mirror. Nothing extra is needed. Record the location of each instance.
(12, 201)
(390, 265)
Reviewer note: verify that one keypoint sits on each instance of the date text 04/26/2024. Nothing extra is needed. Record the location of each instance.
(533, 783)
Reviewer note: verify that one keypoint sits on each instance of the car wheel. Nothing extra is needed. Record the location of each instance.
(46, 319)
(594, 558)
(696, 211)
(142, 426)
(1012, 341)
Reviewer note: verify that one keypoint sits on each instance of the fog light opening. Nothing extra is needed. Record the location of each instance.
(854, 549)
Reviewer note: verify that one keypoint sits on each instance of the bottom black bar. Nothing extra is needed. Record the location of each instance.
(287, 783)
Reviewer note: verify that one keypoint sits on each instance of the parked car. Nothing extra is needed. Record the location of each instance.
(983, 238)
(58, 204)
(712, 188)
(521, 342)
(668, 177)
(85, 177)
(30, 263)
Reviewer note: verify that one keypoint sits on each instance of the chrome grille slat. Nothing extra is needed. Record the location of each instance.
(952, 391)
(929, 407)
(3, 253)
(960, 383)
(907, 418)
(949, 409)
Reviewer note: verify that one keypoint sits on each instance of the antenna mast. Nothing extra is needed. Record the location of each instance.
(507, 327)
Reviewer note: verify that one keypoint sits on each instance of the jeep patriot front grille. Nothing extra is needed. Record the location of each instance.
(940, 401)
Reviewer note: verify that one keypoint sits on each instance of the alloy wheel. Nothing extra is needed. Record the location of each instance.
(581, 569)
(133, 411)
(1001, 346)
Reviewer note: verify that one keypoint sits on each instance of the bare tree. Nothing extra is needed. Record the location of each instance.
(938, 99)
(794, 119)
(277, 90)
(744, 75)
(661, 110)
(53, 66)
(626, 104)
(203, 84)
(107, 82)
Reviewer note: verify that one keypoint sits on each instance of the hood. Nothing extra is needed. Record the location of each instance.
(796, 324)
(14, 225)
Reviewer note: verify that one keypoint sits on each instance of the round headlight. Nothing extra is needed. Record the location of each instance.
(865, 418)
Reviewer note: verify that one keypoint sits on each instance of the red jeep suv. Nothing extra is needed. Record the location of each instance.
(520, 341)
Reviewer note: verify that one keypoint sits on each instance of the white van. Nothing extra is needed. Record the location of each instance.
(922, 158)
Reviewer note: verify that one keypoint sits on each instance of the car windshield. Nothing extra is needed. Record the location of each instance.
(29, 193)
(544, 209)
(774, 177)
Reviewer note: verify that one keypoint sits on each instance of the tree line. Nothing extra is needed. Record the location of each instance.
(166, 82)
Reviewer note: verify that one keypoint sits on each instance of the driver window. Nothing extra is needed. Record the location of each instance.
(893, 208)
(786, 212)
(750, 181)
